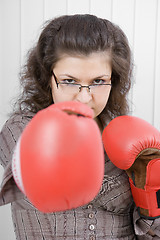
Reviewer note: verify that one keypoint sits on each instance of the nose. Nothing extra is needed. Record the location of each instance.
(84, 96)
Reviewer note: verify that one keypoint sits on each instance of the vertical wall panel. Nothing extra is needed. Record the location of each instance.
(31, 21)
(144, 50)
(9, 85)
(123, 14)
(9, 54)
(157, 72)
(54, 8)
(101, 8)
(74, 7)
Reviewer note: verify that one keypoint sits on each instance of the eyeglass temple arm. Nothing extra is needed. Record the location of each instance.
(55, 78)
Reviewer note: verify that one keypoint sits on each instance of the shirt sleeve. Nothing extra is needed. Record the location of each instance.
(9, 136)
(142, 227)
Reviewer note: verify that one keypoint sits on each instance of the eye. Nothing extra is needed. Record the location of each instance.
(98, 81)
(68, 81)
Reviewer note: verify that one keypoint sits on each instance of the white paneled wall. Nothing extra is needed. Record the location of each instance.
(20, 25)
(144, 51)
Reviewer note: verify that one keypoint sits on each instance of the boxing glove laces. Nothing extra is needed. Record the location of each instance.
(58, 162)
(133, 144)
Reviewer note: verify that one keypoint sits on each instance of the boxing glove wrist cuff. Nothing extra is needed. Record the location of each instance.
(16, 166)
(146, 217)
(148, 199)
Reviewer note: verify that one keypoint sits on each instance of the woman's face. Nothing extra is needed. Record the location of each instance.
(85, 70)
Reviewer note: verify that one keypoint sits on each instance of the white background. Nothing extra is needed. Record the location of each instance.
(20, 25)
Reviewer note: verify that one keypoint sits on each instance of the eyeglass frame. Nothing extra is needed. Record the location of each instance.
(80, 86)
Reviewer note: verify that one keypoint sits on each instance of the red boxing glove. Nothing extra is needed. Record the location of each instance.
(58, 162)
(133, 144)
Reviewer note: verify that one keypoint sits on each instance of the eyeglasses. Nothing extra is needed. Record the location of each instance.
(74, 88)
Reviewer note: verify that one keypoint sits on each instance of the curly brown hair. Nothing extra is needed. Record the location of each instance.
(76, 34)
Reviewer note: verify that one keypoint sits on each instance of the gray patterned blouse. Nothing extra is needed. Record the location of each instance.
(111, 215)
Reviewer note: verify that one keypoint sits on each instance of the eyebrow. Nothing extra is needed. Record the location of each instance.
(70, 76)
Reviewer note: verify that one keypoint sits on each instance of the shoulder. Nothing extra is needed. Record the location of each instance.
(10, 134)
(18, 121)
(13, 128)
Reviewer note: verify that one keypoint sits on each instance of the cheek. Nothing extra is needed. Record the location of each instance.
(100, 103)
(59, 97)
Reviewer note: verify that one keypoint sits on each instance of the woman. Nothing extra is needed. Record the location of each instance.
(87, 59)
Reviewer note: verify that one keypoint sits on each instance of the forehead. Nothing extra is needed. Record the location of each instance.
(97, 62)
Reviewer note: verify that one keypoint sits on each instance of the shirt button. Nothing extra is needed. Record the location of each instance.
(91, 227)
(92, 238)
(89, 206)
(91, 215)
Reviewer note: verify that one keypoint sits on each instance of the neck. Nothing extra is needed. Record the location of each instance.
(99, 123)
